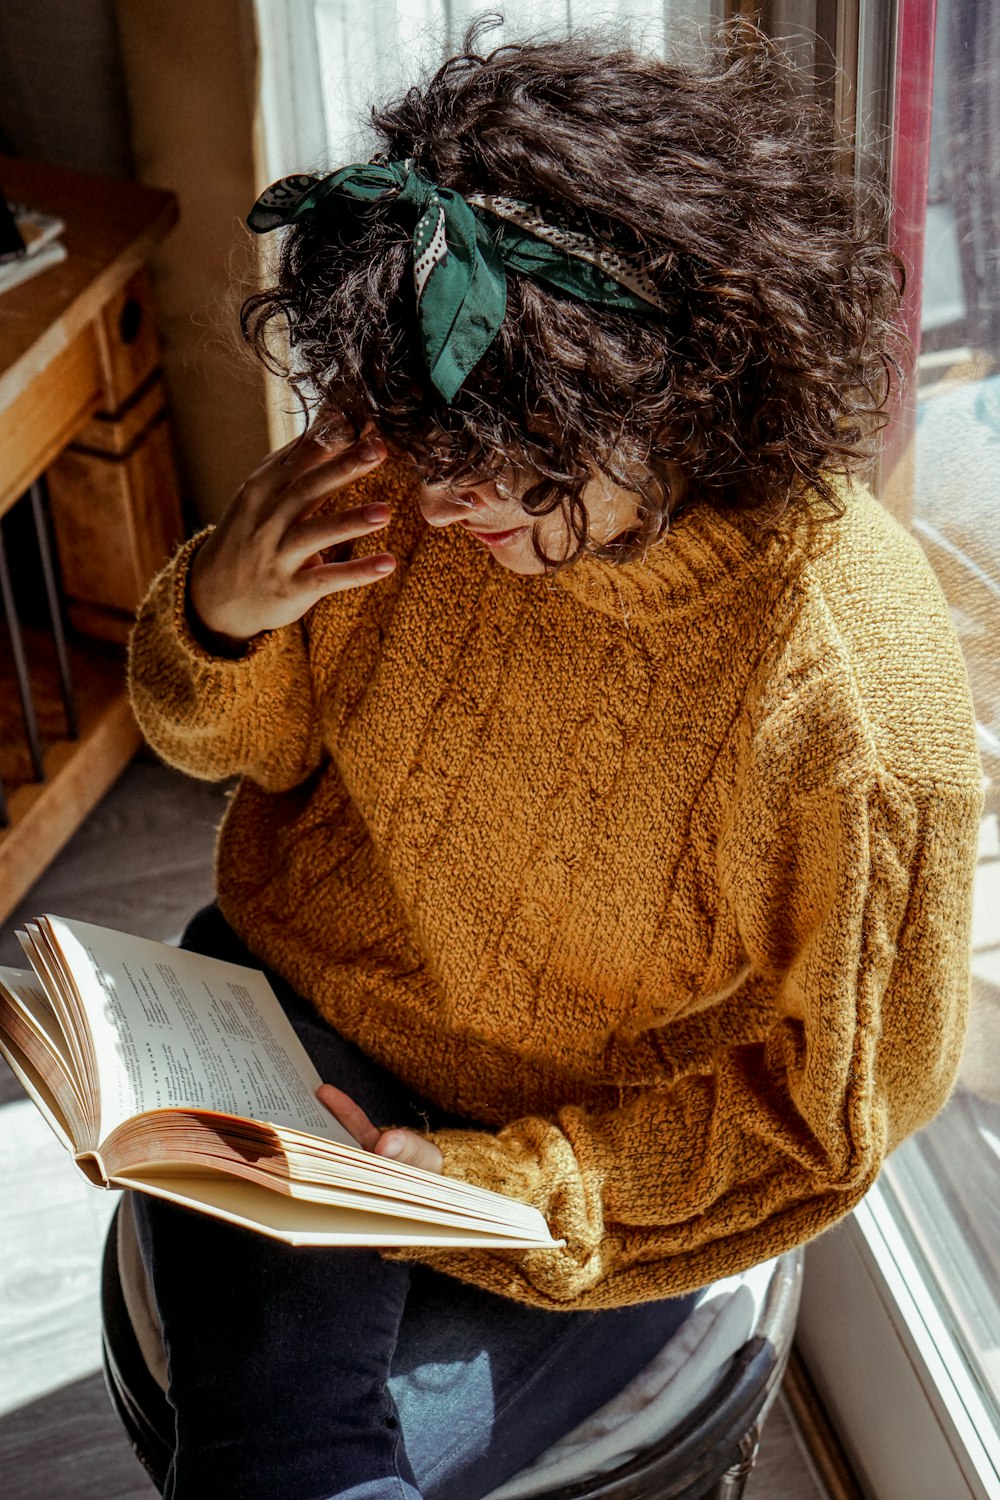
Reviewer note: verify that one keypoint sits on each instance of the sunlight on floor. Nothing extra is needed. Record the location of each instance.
(52, 1227)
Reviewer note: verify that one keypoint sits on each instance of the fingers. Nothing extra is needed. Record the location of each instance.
(284, 464)
(295, 479)
(312, 446)
(318, 476)
(333, 578)
(313, 535)
(413, 1150)
(350, 1115)
(397, 1144)
(263, 565)
(299, 539)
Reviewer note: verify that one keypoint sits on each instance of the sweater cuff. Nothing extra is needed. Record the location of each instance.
(478, 1158)
(533, 1161)
(558, 1278)
(169, 595)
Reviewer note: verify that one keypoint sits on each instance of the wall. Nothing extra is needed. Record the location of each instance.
(62, 92)
(165, 92)
(190, 75)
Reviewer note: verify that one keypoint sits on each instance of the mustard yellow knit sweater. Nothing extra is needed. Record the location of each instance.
(662, 872)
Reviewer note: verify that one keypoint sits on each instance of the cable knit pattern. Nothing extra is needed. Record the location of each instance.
(660, 872)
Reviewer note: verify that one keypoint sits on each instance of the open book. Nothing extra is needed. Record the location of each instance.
(179, 1075)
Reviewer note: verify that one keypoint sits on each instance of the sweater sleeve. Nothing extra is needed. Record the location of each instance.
(852, 906)
(213, 716)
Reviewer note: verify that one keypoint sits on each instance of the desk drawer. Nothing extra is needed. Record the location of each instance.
(47, 414)
(117, 519)
(129, 343)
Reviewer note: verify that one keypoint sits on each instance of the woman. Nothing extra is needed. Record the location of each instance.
(609, 792)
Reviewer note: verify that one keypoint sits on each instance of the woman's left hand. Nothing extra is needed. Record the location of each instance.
(397, 1143)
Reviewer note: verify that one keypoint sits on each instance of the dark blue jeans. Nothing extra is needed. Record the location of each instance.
(308, 1374)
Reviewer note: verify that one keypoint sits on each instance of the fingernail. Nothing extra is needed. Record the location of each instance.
(393, 1146)
(385, 565)
(369, 451)
(376, 512)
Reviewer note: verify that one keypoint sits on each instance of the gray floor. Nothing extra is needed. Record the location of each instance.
(141, 863)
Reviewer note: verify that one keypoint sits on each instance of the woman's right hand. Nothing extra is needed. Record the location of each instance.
(262, 567)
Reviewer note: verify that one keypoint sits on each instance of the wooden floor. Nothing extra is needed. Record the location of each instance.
(141, 863)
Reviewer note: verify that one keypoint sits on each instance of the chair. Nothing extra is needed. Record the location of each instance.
(687, 1428)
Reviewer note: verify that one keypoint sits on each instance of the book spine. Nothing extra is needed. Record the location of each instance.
(90, 1166)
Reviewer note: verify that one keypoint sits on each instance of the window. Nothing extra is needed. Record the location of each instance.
(367, 52)
(901, 1318)
(945, 1184)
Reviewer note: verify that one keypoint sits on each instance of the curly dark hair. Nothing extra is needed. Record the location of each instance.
(766, 379)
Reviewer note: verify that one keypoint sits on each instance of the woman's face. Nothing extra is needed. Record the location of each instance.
(498, 522)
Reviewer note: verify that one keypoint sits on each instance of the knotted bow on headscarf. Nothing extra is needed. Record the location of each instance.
(459, 259)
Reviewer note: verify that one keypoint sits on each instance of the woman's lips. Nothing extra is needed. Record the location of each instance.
(497, 538)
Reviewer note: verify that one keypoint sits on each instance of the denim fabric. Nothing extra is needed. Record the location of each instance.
(312, 1374)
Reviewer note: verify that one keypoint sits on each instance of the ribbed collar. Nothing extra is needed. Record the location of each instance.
(705, 554)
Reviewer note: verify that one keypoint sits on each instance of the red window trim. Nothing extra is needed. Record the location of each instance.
(910, 146)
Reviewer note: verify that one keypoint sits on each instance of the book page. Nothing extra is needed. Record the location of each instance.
(303, 1223)
(269, 1156)
(32, 1041)
(23, 990)
(64, 1002)
(175, 1029)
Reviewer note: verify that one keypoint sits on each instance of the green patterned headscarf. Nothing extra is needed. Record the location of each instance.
(462, 248)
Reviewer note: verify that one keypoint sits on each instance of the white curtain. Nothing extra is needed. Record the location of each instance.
(360, 52)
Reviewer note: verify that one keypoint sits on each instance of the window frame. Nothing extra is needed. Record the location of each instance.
(888, 1370)
(881, 1354)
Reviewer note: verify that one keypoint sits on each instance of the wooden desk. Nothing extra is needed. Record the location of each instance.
(78, 357)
